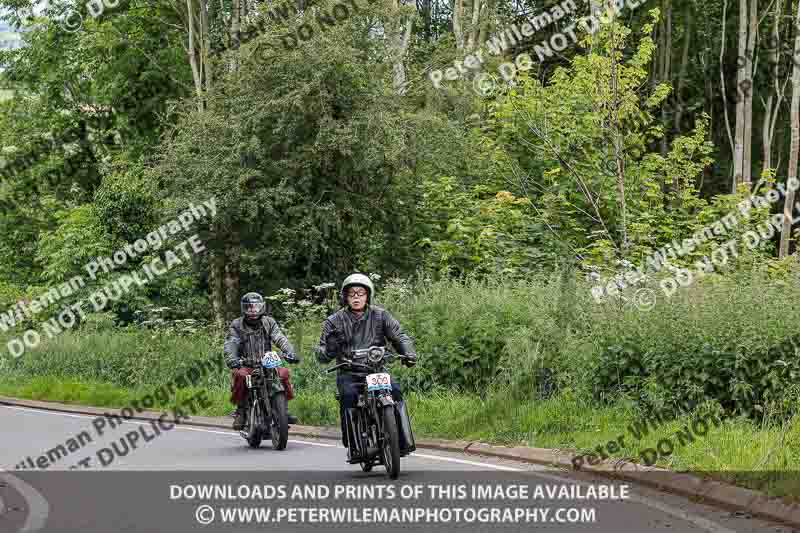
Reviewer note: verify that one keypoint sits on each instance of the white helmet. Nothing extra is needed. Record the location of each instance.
(359, 280)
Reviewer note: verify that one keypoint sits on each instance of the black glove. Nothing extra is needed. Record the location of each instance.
(291, 358)
(237, 364)
(410, 359)
(334, 343)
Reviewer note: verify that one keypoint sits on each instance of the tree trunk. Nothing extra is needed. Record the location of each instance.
(399, 39)
(689, 19)
(217, 276)
(192, 52)
(786, 231)
(470, 23)
(618, 140)
(235, 33)
(666, 57)
(775, 99)
(205, 47)
(741, 76)
(458, 28)
(233, 253)
(722, 84)
(747, 164)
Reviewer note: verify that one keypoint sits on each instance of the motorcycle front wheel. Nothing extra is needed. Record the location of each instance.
(280, 421)
(255, 423)
(391, 443)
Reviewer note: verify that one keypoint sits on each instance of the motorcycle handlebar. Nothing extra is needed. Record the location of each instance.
(349, 362)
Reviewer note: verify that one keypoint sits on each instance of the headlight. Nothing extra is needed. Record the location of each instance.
(376, 354)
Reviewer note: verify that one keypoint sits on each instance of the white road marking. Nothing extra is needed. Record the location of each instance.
(465, 462)
(30, 410)
(38, 508)
(699, 521)
(228, 433)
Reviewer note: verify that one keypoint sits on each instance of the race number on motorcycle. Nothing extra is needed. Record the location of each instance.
(379, 382)
(271, 360)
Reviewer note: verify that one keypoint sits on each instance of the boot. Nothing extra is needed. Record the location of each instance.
(241, 415)
(292, 419)
(342, 421)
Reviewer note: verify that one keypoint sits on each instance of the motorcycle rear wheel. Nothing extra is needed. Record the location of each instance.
(391, 443)
(280, 421)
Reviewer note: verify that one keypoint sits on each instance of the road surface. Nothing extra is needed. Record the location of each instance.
(157, 485)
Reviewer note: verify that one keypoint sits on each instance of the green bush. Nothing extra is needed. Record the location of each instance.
(471, 335)
(731, 341)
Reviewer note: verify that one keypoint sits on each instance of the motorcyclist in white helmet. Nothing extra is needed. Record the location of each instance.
(358, 325)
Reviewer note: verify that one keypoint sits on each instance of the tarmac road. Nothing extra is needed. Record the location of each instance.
(154, 487)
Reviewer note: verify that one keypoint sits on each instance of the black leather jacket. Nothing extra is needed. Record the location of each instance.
(237, 343)
(372, 329)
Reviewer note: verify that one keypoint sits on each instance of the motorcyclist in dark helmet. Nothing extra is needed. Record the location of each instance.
(249, 337)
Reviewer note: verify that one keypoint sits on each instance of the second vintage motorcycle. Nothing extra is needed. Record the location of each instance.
(267, 413)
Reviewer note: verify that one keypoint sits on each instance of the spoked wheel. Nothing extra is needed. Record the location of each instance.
(254, 425)
(391, 443)
(280, 422)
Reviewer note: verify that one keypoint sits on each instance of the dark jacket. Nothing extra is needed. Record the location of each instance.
(372, 329)
(241, 338)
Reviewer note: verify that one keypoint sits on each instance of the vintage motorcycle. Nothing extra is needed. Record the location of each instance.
(267, 413)
(381, 427)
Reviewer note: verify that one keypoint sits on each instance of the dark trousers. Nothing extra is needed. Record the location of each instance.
(348, 396)
(348, 390)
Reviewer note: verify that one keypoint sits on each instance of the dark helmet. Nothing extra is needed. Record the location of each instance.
(357, 280)
(253, 306)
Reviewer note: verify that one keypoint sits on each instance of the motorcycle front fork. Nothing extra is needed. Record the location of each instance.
(371, 425)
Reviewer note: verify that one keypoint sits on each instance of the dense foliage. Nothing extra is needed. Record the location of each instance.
(339, 154)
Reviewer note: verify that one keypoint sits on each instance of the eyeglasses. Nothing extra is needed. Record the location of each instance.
(356, 293)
